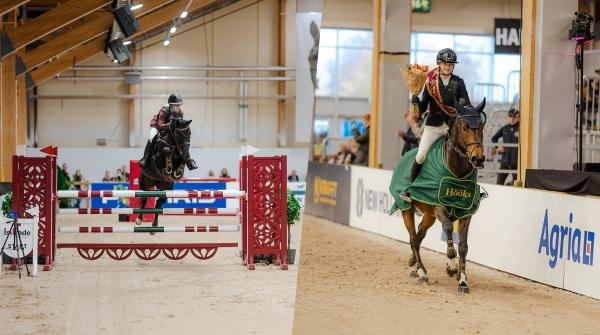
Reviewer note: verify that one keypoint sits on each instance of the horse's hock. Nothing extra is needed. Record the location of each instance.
(263, 206)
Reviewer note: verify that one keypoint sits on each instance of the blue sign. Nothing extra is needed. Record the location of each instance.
(195, 202)
(112, 202)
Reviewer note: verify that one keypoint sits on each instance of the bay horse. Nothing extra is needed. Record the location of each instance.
(461, 153)
(166, 163)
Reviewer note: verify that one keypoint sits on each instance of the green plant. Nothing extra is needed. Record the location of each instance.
(7, 203)
(293, 208)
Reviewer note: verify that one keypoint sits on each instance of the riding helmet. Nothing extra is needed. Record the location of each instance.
(176, 99)
(446, 55)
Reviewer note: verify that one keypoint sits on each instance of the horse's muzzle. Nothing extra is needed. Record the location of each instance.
(478, 161)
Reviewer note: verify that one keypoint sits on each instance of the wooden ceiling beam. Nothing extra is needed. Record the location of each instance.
(17, 38)
(97, 24)
(67, 60)
(8, 5)
(148, 22)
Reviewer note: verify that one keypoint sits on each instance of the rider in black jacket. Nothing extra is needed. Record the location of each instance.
(510, 155)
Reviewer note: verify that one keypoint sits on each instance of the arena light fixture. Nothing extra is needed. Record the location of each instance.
(137, 6)
(166, 42)
(173, 30)
(184, 14)
(127, 43)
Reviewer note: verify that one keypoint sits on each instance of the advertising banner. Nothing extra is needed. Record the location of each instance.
(370, 205)
(328, 191)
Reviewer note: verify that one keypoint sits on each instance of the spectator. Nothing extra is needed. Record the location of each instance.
(224, 173)
(412, 135)
(63, 182)
(125, 173)
(319, 149)
(211, 173)
(293, 176)
(77, 183)
(107, 176)
(344, 155)
(120, 176)
(510, 155)
(66, 174)
(362, 155)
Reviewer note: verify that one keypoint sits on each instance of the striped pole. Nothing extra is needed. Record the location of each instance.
(150, 229)
(222, 180)
(204, 194)
(195, 211)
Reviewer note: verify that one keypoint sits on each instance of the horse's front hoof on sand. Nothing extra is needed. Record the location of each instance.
(423, 280)
(138, 221)
(414, 274)
(463, 289)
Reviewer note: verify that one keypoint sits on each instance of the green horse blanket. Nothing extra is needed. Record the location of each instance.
(435, 184)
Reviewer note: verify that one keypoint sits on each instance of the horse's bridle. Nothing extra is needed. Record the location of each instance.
(469, 153)
(169, 164)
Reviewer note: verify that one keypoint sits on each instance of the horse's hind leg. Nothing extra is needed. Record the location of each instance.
(463, 248)
(159, 202)
(415, 241)
(448, 227)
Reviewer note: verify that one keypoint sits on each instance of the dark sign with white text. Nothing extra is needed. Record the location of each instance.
(507, 33)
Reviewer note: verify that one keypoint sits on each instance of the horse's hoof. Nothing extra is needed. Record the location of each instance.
(414, 274)
(138, 221)
(451, 271)
(423, 280)
(412, 260)
(463, 289)
(152, 233)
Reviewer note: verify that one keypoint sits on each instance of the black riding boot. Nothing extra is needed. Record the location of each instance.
(147, 150)
(416, 168)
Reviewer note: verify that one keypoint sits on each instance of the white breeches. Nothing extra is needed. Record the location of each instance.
(429, 136)
(153, 131)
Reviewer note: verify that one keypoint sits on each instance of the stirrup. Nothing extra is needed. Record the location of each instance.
(142, 162)
(405, 196)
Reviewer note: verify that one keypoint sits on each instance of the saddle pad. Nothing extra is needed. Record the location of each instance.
(435, 185)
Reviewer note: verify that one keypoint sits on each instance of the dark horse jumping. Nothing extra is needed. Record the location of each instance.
(166, 164)
(454, 196)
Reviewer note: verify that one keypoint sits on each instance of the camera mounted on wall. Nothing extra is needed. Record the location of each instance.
(581, 27)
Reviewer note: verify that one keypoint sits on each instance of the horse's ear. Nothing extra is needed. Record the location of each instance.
(187, 123)
(459, 108)
(481, 106)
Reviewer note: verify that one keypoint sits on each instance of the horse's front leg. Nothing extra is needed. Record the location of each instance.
(463, 248)
(140, 217)
(415, 242)
(448, 227)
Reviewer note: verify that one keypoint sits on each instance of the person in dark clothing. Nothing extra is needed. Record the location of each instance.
(442, 88)
(412, 135)
(362, 155)
(510, 155)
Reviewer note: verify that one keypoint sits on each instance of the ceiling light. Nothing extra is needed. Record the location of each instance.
(137, 6)
(173, 30)
(166, 42)
(127, 43)
(184, 14)
(115, 61)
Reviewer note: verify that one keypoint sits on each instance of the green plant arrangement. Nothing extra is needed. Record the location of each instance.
(293, 216)
(6, 203)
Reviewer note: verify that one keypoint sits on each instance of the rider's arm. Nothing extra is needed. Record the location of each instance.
(163, 123)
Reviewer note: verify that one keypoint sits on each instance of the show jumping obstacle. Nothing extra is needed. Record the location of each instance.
(263, 207)
(150, 229)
